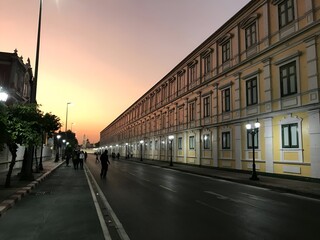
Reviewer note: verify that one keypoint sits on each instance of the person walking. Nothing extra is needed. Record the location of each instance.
(104, 159)
(81, 159)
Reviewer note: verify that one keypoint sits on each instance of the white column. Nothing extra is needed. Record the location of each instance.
(238, 155)
(314, 134)
(268, 139)
(215, 146)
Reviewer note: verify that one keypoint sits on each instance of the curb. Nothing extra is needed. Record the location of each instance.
(24, 191)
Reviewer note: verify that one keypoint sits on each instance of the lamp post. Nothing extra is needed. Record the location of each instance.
(171, 137)
(127, 155)
(66, 128)
(254, 129)
(58, 148)
(141, 142)
(35, 82)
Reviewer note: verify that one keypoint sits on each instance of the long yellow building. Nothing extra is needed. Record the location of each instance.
(261, 65)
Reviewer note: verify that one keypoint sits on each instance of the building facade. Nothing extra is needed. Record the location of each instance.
(261, 65)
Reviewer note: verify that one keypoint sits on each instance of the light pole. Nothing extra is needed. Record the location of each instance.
(58, 148)
(141, 142)
(35, 81)
(127, 155)
(171, 137)
(66, 128)
(254, 129)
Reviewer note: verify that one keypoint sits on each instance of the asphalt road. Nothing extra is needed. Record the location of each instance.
(159, 203)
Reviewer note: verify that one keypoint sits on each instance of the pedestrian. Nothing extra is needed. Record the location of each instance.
(67, 159)
(118, 156)
(97, 157)
(104, 159)
(85, 156)
(75, 159)
(81, 159)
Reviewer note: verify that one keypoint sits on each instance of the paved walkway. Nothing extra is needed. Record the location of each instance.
(61, 207)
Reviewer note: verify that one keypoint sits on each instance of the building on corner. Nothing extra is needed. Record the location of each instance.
(261, 65)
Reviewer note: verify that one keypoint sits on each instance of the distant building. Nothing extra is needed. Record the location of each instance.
(262, 64)
(15, 77)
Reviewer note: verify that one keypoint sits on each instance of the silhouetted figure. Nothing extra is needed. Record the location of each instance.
(104, 159)
(81, 159)
(75, 159)
(118, 156)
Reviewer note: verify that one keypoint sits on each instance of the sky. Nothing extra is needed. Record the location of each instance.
(102, 55)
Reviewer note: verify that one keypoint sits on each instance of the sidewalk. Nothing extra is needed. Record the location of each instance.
(305, 187)
(10, 196)
(61, 207)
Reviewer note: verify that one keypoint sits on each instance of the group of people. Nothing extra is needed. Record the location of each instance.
(78, 158)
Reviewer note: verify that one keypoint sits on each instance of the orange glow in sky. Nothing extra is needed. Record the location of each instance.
(102, 55)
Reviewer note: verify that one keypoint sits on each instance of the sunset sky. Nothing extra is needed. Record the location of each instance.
(102, 55)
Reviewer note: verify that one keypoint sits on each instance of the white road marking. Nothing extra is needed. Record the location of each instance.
(119, 227)
(169, 189)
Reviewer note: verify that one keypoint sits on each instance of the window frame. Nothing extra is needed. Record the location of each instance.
(192, 111)
(180, 143)
(287, 79)
(253, 90)
(289, 138)
(226, 99)
(226, 51)
(191, 143)
(226, 144)
(206, 142)
(206, 107)
(251, 35)
(284, 12)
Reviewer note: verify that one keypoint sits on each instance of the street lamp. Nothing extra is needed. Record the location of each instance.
(127, 155)
(3, 95)
(58, 148)
(171, 137)
(253, 130)
(141, 142)
(35, 81)
(66, 128)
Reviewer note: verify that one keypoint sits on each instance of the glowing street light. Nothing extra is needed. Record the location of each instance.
(141, 142)
(171, 137)
(253, 130)
(3, 95)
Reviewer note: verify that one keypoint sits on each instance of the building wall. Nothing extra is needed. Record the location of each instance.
(255, 67)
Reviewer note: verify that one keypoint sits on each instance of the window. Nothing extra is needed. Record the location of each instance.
(290, 135)
(206, 141)
(150, 145)
(249, 140)
(226, 100)
(171, 118)
(206, 106)
(252, 92)
(192, 74)
(226, 140)
(180, 143)
(191, 142)
(192, 111)
(288, 79)
(207, 64)
(181, 116)
(286, 13)
(181, 81)
(251, 35)
(226, 52)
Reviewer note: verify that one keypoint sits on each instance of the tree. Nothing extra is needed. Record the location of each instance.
(49, 124)
(22, 124)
